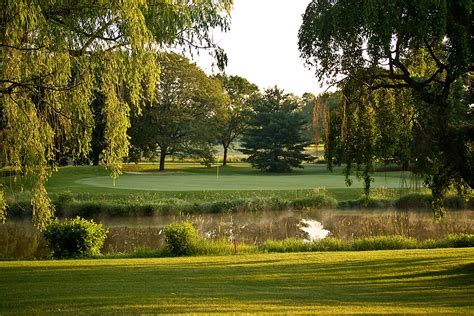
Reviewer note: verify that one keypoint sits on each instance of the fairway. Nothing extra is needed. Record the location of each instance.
(183, 181)
(437, 281)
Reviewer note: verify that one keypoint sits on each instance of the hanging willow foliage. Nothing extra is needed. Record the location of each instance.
(56, 54)
(421, 48)
(363, 127)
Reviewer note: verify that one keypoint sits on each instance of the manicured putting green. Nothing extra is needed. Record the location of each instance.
(210, 182)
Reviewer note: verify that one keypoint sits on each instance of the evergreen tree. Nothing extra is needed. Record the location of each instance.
(274, 141)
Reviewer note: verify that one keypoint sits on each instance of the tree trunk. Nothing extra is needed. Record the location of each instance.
(162, 158)
(224, 161)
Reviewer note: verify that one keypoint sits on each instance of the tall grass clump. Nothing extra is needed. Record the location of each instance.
(285, 245)
(384, 243)
(299, 245)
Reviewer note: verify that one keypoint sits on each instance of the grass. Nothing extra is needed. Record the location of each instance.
(193, 182)
(387, 242)
(439, 281)
(196, 179)
(191, 188)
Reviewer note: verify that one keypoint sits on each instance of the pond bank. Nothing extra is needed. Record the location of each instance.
(129, 235)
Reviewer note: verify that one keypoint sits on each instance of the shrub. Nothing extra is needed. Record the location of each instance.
(414, 200)
(75, 238)
(366, 202)
(181, 238)
(460, 240)
(316, 201)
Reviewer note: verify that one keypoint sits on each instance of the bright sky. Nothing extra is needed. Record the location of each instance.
(262, 45)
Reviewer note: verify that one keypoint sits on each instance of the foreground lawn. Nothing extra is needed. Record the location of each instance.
(437, 281)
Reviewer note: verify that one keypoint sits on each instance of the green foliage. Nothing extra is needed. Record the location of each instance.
(56, 56)
(233, 122)
(274, 140)
(286, 245)
(313, 202)
(75, 238)
(3, 208)
(460, 240)
(181, 238)
(366, 244)
(298, 245)
(413, 200)
(182, 117)
(384, 243)
(407, 83)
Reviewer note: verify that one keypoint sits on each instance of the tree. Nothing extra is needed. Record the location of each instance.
(423, 50)
(274, 140)
(54, 55)
(182, 118)
(234, 121)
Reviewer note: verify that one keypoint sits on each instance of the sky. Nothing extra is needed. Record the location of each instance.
(262, 46)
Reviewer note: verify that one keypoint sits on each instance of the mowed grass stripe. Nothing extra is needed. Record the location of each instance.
(410, 281)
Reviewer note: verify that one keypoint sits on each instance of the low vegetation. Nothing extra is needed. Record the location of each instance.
(367, 244)
(88, 200)
(75, 238)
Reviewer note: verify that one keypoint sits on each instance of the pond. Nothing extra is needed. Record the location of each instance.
(18, 239)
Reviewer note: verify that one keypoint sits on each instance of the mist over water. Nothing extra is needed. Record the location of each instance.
(314, 230)
(18, 239)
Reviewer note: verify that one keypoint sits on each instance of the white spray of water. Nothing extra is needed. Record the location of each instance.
(313, 229)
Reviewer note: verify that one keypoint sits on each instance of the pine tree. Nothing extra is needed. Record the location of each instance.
(274, 141)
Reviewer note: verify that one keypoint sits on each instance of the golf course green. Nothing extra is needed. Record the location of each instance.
(199, 182)
(237, 177)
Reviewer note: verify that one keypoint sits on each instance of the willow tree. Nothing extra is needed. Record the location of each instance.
(54, 55)
(423, 48)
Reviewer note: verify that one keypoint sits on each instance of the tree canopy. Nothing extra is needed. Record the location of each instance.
(182, 118)
(55, 54)
(274, 139)
(237, 111)
(410, 60)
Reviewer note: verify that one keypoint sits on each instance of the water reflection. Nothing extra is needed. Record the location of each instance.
(19, 240)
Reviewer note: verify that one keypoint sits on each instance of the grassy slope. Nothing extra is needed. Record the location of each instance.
(413, 281)
(192, 182)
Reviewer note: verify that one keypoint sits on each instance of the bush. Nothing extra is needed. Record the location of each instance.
(316, 201)
(414, 200)
(75, 238)
(181, 238)
(365, 202)
(460, 240)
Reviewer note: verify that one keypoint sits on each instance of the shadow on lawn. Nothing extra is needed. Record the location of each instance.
(243, 285)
